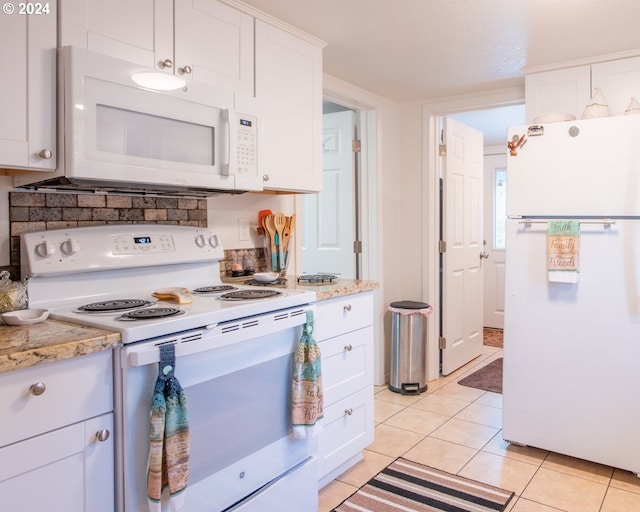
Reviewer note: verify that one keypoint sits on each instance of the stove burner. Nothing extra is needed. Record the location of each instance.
(250, 294)
(317, 278)
(150, 313)
(278, 282)
(114, 305)
(214, 289)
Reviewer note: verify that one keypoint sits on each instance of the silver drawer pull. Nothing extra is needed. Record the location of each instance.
(102, 435)
(38, 388)
(346, 308)
(348, 348)
(348, 412)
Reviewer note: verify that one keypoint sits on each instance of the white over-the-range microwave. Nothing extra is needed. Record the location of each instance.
(114, 135)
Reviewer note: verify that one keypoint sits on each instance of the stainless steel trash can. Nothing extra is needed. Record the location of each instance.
(409, 347)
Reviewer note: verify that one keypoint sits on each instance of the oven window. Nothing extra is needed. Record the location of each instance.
(237, 414)
(128, 133)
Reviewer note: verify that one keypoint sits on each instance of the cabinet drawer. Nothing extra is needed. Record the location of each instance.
(343, 314)
(347, 364)
(74, 390)
(348, 429)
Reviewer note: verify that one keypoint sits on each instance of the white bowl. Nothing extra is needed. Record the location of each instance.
(266, 277)
(554, 118)
(25, 316)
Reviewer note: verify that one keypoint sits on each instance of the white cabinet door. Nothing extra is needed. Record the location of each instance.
(216, 42)
(68, 470)
(289, 96)
(204, 40)
(562, 91)
(140, 32)
(27, 102)
(619, 81)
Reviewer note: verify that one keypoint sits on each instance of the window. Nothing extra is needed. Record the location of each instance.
(499, 208)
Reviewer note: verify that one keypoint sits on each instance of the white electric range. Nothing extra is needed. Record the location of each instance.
(119, 265)
(234, 358)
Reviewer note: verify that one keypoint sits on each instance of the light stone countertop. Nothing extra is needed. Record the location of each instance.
(338, 288)
(51, 340)
(323, 291)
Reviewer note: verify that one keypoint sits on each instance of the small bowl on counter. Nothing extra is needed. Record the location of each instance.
(25, 316)
(266, 277)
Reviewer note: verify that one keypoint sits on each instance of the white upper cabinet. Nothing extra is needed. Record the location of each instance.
(568, 90)
(562, 91)
(619, 81)
(28, 99)
(202, 40)
(289, 96)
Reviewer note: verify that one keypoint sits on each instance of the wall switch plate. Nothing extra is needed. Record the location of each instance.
(243, 230)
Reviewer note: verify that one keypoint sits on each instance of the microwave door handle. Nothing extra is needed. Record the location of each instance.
(229, 168)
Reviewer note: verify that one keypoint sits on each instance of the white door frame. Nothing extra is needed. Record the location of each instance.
(368, 189)
(431, 112)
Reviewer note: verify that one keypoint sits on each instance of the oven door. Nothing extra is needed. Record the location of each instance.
(237, 379)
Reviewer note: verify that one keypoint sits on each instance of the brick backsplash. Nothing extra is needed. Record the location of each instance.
(33, 211)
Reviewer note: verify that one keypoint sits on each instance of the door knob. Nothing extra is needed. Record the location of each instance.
(484, 255)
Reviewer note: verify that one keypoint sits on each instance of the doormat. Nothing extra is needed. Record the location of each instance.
(488, 378)
(412, 487)
(492, 337)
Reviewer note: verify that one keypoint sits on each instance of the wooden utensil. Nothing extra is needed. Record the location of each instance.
(289, 226)
(271, 229)
(279, 221)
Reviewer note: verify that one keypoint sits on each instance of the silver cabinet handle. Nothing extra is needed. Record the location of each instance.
(348, 412)
(102, 435)
(166, 63)
(45, 154)
(38, 388)
(265, 177)
(346, 308)
(348, 348)
(185, 70)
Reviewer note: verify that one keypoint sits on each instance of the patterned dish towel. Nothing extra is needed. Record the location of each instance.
(563, 241)
(307, 402)
(169, 436)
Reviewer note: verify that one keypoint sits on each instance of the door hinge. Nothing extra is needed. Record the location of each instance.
(356, 145)
(443, 150)
(442, 246)
(357, 247)
(442, 342)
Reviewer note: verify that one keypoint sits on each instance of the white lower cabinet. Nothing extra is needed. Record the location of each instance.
(344, 331)
(67, 470)
(59, 463)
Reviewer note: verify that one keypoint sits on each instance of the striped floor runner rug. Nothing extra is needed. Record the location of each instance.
(406, 486)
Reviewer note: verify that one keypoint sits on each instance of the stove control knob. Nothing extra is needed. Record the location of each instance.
(200, 240)
(70, 246)
(213, 241)
(45, 249)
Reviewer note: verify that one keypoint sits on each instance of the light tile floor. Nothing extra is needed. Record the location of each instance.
(458, 429)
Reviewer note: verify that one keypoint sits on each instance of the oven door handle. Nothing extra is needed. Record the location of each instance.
(216, 336)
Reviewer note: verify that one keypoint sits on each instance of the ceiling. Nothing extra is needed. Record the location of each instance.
(411, 50)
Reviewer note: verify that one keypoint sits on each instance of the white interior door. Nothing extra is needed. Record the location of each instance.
(495, 190)
(329, 220)
(462, 219)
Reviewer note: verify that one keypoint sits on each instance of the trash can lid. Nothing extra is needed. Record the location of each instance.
(409, 304)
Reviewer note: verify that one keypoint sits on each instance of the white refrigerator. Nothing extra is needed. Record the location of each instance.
(571, 380)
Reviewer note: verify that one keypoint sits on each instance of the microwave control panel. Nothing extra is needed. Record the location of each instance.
(247, 144)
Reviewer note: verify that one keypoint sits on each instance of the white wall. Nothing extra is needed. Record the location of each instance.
(225, 211)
